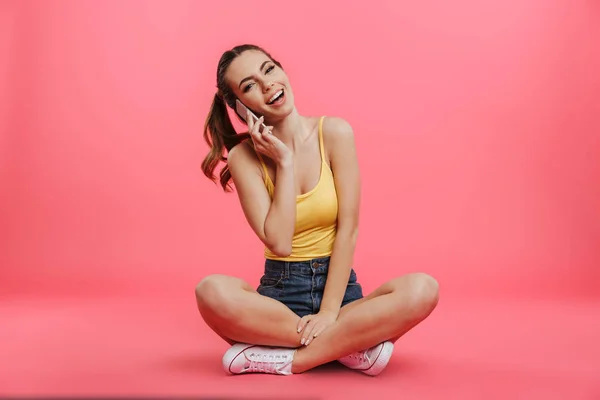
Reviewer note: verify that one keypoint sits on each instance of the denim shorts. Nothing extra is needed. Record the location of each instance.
(300, 284)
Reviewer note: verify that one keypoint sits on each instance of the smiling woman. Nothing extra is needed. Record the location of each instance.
(298, 184)
(278, 97)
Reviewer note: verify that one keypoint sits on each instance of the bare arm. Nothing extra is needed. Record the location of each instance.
(344, 165)
(272, 221)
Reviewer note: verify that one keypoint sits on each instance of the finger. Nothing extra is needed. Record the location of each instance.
(265, 131)
(302, 322)
(269, 137)
(310, 334)
(256, 126)
(268, 131)
(307, 334)
(249, 121)
(259, 148)
(318, 331)
(257, 136)
(258, 139)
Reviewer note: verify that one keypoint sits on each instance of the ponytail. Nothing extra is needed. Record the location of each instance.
(220, 135)
(219, 132)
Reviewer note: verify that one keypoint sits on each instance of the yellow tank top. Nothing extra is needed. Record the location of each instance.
(316, 214)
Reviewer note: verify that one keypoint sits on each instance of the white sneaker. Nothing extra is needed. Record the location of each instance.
(244, 358)
(371, 361)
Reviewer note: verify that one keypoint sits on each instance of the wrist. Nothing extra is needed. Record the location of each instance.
(286, 162)
(332, 311)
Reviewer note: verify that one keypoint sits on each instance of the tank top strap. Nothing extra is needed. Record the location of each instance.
(321, 146)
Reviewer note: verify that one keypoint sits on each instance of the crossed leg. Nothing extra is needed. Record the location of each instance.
(238, 314)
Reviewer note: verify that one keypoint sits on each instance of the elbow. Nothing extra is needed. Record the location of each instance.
(280, 249)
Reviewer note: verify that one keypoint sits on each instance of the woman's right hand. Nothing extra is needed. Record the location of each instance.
(266, 143)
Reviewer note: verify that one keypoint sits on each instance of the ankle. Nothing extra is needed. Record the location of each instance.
(299, 363)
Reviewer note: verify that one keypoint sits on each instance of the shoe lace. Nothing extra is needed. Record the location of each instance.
(361, 356)
(266, 362)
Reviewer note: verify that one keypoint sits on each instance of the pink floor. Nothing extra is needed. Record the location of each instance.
(476, 126)
(134, 346)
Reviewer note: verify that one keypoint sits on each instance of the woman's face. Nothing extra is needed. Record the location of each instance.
(261, 85)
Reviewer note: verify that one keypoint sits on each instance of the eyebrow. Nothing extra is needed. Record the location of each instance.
(249, 77)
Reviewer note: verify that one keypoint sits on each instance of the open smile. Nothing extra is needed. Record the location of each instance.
(277, 98)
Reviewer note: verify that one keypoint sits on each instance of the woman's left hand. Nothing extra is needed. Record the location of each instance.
(311, 326)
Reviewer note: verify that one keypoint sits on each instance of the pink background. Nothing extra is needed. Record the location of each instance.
(477, 125)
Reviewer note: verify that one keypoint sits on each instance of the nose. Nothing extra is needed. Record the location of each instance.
(268, 86)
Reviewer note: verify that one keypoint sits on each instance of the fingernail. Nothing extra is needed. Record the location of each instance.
(302, 341)
(299, 329)
(307, 342)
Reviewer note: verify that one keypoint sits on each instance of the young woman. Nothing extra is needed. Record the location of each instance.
(299, 187)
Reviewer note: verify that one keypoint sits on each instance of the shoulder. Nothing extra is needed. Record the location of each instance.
(241, 152)
(338, 137)
(337, 128)
(241, 156)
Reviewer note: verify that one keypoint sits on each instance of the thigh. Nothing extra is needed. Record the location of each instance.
(409, 284)
(292, 291)
(238, 313)
(386, 288)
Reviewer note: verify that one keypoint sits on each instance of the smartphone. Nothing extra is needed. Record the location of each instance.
(242, 110)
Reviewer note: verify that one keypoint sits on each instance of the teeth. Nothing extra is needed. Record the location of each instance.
(276, 95)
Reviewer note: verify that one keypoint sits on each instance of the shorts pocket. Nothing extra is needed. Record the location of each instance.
(271, 280)
(271, 285)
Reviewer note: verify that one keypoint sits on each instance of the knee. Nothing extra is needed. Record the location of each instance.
(212, 295)
(423, 294)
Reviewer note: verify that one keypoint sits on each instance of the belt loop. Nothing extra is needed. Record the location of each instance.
(287, 270)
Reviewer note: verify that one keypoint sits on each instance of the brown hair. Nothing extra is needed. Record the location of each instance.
(219, 132)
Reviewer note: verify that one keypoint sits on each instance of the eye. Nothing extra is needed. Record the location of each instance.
(247, 87)
(271, 68)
